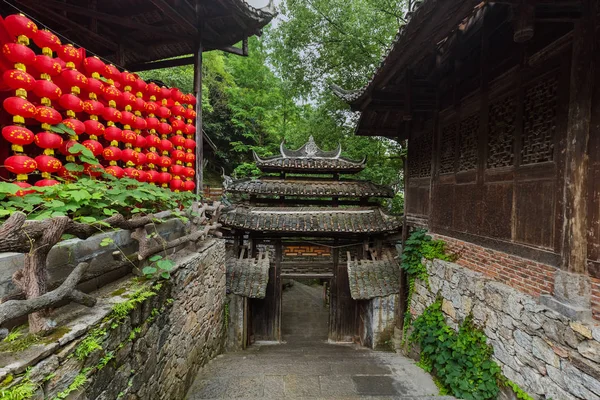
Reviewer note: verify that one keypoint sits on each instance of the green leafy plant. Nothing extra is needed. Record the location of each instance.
(520, 393)
(77, 383)
(461, 361)
(105, 360)
(158, 266)
(24, 389)
(91, 343)
(13, 335)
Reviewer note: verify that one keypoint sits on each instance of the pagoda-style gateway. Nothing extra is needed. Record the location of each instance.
(313, 224)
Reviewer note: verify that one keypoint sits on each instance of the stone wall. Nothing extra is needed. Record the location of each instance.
(546, 354)
(378, 317)
(153, 352)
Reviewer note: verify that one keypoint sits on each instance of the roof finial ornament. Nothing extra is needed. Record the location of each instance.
(311, 147)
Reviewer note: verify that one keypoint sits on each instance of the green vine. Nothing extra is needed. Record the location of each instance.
(77, 383)
(418, 246)
(520, 393)
(461, 361)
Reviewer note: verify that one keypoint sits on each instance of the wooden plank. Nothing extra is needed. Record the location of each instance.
(306, 276)
(574, 251)
(175, 62)
(198, 89)
(176, 16)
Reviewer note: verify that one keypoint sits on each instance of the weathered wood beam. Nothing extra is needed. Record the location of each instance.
(66, 22)
(174, 62)
(112, 19)
(175, 15)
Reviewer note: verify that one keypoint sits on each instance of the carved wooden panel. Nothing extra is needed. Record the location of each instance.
(467, 153)
(501, 136)
(420, 152)
(448, 148)
(540, 121)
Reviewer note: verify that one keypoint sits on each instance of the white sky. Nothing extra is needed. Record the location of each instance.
(258, 3)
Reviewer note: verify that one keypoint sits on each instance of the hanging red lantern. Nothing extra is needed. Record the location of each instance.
(178, 156)
(176, 170)
(176, 184)
(48, 141)
(152, 141)
(47, 65)
(165, 162)
(20, 165)
(189, 186)
(164, 129)
(94, 146)
(152, 124)
(113, 134)
(178, 141)
(93, 107)
(47, 165)
(127, 119)
(47, 91)
(190, 158)
(94, 66)
(19, 108)
(129, 156)
(20, 27)
(94, 128)
(46, 182)
(152, 176)
(128, 137)
(112, 154)
(76, 125)
(189, 144)
(18, 136)
(177, 95)
(115, 171)
(24, 185)
(18, 80)
(19, 54)
(132, 173)
(140, 143)
(189, 172)
(163, 179)
(71, 103)
(70, 55)
(165, 146)
(47, 41)
(93, 170)
(178, 110)
(47, 115)
(152, 158)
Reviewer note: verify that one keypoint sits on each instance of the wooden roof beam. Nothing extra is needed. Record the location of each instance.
(34, 5)
(175, 15)
(112, 19)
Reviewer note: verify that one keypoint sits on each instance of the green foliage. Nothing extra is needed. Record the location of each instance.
(246, 170)
(20, 339)
(120, 311)
(158, 266)
(92, 342)
(461, 360)
(226, 316)
(520, 393)
(77, 383)
(105, 360)
(13, 335)
(23, 390)
(89, 200)
(419, 245)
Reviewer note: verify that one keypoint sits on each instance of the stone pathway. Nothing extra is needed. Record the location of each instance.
(306, 366)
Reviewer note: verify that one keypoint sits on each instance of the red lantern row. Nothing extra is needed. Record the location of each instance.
(85, 88)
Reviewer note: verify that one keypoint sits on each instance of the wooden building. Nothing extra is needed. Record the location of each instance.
(499, 102)
(314, 224)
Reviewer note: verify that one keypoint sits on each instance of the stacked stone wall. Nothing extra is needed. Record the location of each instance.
(545, 353)
(153, 353)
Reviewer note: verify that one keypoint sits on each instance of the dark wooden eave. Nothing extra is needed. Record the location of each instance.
(405, 83)
(136, 33)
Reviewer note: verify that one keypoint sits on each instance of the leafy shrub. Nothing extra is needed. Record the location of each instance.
(461, 361)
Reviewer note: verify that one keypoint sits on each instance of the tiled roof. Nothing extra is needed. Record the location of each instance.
(309, 188)
(248, 276)
(308, 157)
(311, 220)
(373, 278)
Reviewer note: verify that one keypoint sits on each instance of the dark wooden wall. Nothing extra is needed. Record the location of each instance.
(488, 167)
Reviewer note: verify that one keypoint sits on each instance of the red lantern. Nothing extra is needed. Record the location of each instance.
(152, 91)
(165, 145)
(48, 165)
(75, 79)
(176, 184)
(70, 55)
(189, 186)
(20, 27)
(190, 158)
(113, 134)
(64, 149)
(189, 144)
(76, 125)
(165, 162)
(47, 115)
(112, 154)
(111, 73)
(178, 156)
(115, 171)
(18, 80)
(140, 142)
(163, 178)
(47, 65)
(129, 156)
(20, 165)
(19, 108)
(152, 124)
(93, 107)
(47, 41)
(94, 66)
(164, 129)
(140, 159)
(178, 110)
(93, 170)
(46, 182)
(18, 136)
(71, 103)
(152, 158)
(128, 137)
(94, 146)
(139, 87)
(19, 54)
(127, 100)
(163, 112)
(95, 87)
(94, 128)
(127, 119)
(178, 141)
(152, 176)
(24, 185)
(132, 173)
(176, 170)
(47, 91)
(189, 172)
(48, 141)
(152, 141)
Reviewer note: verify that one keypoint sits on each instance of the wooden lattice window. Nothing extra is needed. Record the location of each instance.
(541, 101)
(448, 148)
(467, 155)
(419, 160)
(501, 136)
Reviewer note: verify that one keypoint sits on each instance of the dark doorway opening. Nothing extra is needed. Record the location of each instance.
(305, 310)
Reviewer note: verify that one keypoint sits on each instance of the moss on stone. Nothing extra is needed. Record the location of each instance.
(118, 292)
(28, 339)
